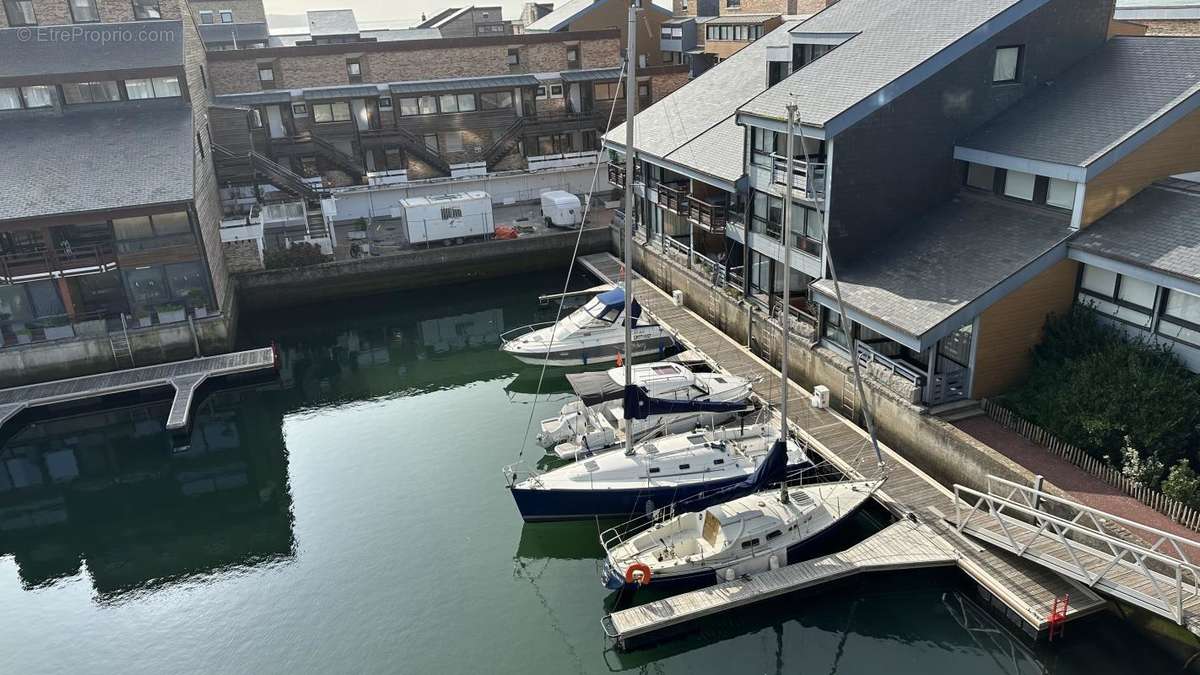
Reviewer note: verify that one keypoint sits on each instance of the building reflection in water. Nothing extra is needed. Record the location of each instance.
(110, 489)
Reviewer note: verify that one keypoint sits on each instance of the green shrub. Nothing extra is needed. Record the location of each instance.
(1095, 388)
(1182, 484)
(297, 255)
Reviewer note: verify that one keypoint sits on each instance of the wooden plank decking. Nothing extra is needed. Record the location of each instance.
(1027, 589)
(184, 377)
(902, 545)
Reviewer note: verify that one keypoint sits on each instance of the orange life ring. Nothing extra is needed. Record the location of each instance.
(638, 567)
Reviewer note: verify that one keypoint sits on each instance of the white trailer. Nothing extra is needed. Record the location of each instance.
(450, 219)
(561, 209)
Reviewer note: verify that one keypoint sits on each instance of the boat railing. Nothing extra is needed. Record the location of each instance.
(510, 335)
(515, 473)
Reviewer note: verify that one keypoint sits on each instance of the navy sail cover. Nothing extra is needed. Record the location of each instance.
(639, 405)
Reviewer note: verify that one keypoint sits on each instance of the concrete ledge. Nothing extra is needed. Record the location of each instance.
(417, 268)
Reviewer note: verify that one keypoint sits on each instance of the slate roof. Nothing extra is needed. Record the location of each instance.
(1159, 229)
(229, 32)
(95, 158)
(891, 39)
(695, 125)
(593, 75)
(100, 46)
(323, 22)
(377, 34)
(947, 259)
(1097, 104)
(572, 10)
(740, 19)
(464, 84)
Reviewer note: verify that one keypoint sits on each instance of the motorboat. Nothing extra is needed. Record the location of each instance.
(721, 463)
(747, 535)
(592, 334)
(594, 421)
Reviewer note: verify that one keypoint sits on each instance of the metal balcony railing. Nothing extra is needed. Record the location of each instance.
(867, 356)
(808, 177)
(45, 262)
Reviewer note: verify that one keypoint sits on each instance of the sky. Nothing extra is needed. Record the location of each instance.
(397, 12)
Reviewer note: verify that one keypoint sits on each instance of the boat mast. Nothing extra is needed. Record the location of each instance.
(630, 209)
(787, 286)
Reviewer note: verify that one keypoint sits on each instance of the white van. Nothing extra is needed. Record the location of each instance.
(561, 209)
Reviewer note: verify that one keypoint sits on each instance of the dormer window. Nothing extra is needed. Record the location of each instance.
(1007, 67)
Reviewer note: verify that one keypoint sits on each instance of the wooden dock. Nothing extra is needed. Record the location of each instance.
(1026, 589)
(902, 545)
(185, 377)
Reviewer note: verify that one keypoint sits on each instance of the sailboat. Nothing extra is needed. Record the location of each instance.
(595, 333)
(747, 534)
(593, 422)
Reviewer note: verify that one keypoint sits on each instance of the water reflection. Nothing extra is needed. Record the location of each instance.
(109, 490)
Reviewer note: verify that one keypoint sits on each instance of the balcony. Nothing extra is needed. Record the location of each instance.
(616, 174)
(712, 216)
(808, 177)
(44, 262)
(673, 197)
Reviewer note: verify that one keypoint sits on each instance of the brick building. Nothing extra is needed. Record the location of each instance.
(469, 21)
(1162, 17)
(589, 15)
(109, 236)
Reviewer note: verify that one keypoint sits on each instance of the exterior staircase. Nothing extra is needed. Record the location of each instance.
(415, 146)
(339, 157)
(505, 142)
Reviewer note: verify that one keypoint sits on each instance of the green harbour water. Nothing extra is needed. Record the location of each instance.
(351, 517)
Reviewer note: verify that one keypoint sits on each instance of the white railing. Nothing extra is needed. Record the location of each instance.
(808, 177)
(1074, 540)
(867, 356)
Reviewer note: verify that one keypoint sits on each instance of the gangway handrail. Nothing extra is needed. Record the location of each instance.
(1043, 496)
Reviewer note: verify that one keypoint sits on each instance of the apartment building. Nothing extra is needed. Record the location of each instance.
(1161, 17)
(968, 173)
(339, 115)
(589, 15)
(236, 24)
(469, 21)
(109, 238)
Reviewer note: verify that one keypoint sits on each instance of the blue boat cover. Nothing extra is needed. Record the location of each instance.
(772, 470)
(615, 299)
(639, 405)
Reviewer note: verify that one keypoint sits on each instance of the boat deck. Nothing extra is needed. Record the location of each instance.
(1026, 589)
(902, 545)
(185, 377)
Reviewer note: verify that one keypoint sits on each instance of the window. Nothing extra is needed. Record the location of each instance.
(733, 4)
(655, 469)
(408, 106)
(1137, 292)
(556, 144)
(84, 11)
(718, 461)
(556, 91)
(1099, 281)
(431, 143)
(453, 141)
(255, 118)
(166, 87)
(10, 99)
(767, 216)
(146, 9)
(354, 71)
(514, 56)
(428, 105)
(496, 100)
(20, 13)
(37, 96)
(140, 233)
(451, 212)
(981, 176)
(1061, 193)
(1007, 67)
(227, 16)
(158, 87)
(206, 16)
(1181, 317)
(750, 543)
(643, 90)
(763, 143)
(1123, 298)
(331, 112)
(266, 73)
(448, 103)
(1020, 185)
(299, 110)
(385, 102)
(572, 58)
(90, 92)
(605, 91)
(774, 534)
(466, 102)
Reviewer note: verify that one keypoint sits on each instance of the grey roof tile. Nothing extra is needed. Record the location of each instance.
(695, 124)
(572, 10)
(332, 22)
(43, 51)
(892, 38)
(949, 258)
(1097, 104)
(1159, 229)
(96, 158)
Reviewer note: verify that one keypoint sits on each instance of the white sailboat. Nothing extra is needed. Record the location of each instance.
(594, 421)
(751, 533)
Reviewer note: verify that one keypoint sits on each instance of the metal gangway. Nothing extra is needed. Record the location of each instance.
(1160, 574)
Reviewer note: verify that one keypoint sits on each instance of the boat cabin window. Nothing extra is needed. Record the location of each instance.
(684, 467)
(720, 380)
(663, 370)
(750, 543)
(776, 533)
(654, 469)
(718, 461)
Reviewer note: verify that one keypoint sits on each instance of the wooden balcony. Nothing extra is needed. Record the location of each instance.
(616, 174)
(673, 197)
(46, 262)
(708, 215)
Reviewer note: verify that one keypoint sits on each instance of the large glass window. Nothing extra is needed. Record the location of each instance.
(186, 282)
(449, 103)
(767, 215)
(46, 302)
(157, 87)
(1060, 193)
(90, 92)
(146, 287)
(20, 13)
(37, 96)
(1137, 292)
(10, 98)
(466, 102)
(605, 91)
(496, 100)
(1121, 297)
(1020, 185)
(428, 105)
(1099, 281)
(14, 304)
(84, 11)
(331, 112)
(143, 233)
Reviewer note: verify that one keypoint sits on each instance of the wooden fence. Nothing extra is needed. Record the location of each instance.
(1173, 509)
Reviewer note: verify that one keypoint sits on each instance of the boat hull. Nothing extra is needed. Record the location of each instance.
(590, 356)
(541, 504)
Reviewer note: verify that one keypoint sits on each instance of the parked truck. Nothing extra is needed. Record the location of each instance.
(449, 219)
(561, 209)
